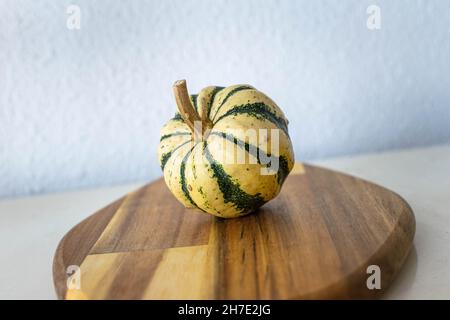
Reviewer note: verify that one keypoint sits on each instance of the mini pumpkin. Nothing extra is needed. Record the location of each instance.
(203, 171)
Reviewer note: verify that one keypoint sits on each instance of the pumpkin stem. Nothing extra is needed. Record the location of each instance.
(185, 107)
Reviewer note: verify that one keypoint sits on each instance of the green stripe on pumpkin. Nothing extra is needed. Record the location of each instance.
(258, 110)
(176, 133)
(215, 91)
(177, 117)
(184, 187)
(253, 150)
(231, 190)
(194, 101)
(283, 168)
(166, 156)
(229, 95)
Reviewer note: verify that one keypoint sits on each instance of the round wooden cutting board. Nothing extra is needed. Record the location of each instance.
(315, 240)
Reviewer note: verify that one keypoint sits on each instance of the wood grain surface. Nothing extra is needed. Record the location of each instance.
(315, 240)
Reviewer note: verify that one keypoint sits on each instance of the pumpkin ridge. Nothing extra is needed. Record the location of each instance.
(258, 110)
(229, 95)
(231, 191)
(166, 156)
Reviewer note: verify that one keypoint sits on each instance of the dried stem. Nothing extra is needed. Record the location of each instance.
(187, 110)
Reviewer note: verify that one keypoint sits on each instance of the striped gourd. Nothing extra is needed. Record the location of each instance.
(203, 169)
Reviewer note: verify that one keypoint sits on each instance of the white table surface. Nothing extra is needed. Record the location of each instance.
(30, 228)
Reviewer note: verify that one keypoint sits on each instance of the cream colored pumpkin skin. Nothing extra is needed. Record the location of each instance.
(196, 172)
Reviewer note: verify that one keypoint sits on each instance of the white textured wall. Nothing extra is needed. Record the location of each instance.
(83, 108)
